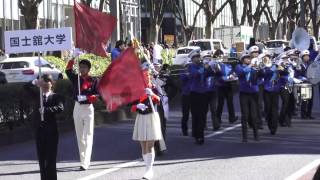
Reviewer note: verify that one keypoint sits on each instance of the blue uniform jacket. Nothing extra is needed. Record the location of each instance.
(197, 78)
(226, 70)
(271, 79)
(248, 78)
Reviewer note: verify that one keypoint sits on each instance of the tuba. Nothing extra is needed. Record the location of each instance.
(300, 39)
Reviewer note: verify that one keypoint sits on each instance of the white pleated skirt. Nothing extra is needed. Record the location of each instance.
(147, 127)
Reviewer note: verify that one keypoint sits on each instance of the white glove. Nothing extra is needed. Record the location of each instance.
(35, 82)
(148, 91)
(141, 106)
(41, 110)
(297, 81)
(82, 98)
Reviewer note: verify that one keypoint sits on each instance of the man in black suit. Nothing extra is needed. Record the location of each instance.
(46, 131)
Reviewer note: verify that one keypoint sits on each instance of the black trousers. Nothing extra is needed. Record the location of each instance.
(260, 106)
(306, 106)
(211, 105)
(249, 112)
(225, 92)
(287, 107)
(185, 102)
(47, 147)
(198, 105)
(271, 105)
(163, 123)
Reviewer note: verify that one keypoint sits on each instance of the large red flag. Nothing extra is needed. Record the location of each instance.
(93, 29)
(123, 82)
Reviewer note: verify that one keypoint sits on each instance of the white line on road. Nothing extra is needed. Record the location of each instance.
(131, 163)
(222, 131)
(304, 170)
(107, 171)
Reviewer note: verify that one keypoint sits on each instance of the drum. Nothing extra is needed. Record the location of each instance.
(313, 72)
(302, 91)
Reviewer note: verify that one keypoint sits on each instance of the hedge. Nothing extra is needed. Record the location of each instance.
(98, 64)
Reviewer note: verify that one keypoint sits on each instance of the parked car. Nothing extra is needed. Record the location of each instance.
(276, 47)
(25, 69)
(182, 54)
(208, 46)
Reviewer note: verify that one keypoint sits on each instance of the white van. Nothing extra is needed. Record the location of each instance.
(208, 46)
(276, 47)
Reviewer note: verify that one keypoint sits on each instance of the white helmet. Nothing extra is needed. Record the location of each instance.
(194, 53)
(253, 49)
(304, 52)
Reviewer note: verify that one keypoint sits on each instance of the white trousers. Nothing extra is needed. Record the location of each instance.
(83, 115)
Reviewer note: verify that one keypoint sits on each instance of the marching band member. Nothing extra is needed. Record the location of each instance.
(271, 96)
(254, 53)
(197, 96)
(83, 112)
(46, 131)
(211, 92)
(286, 80)
(147, 127)
(185, 100)
(225, 81)
(306, 105)
(248, 95)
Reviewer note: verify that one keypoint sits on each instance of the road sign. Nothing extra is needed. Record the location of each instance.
(37, 40)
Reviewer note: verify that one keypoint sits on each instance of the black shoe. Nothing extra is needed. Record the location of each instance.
(185, 133)
(283, 124)
(233, 120)
(216, 128)
(256, 138)
(82, 168)
(200, 141)
(272, 132)
(244, 140)
(260, 127)
(303, 117)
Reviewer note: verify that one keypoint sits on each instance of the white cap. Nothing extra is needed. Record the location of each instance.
(283, 56)
(253, 49)
(304, 52)
(194, 53)
(244, 55)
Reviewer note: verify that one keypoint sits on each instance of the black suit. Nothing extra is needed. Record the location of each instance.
(46, 132)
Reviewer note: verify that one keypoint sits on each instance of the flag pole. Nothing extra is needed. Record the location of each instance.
(41, 98)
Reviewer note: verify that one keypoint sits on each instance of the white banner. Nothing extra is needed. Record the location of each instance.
(38, 40)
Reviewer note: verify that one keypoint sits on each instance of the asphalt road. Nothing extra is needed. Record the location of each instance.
(222, 157)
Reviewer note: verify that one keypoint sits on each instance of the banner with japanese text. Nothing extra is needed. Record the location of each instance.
(37, 40)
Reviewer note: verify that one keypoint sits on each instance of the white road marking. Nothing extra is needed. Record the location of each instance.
(134, 162)
(304, 170)
(107, 171)
(222, 131)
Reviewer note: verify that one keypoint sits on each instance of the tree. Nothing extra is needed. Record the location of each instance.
(180, 13)
(102, 2)
(211, 13)
(87, 2)
(244, 11)
(272, 21)
(233, 7)
(313, 7)
(254, 19)
(157, 9)
(29, 9)
(292, 16)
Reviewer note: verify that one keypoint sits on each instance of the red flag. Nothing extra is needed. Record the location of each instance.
(93, 29)
(123, 82)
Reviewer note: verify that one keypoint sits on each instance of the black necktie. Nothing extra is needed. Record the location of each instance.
(44, 99)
